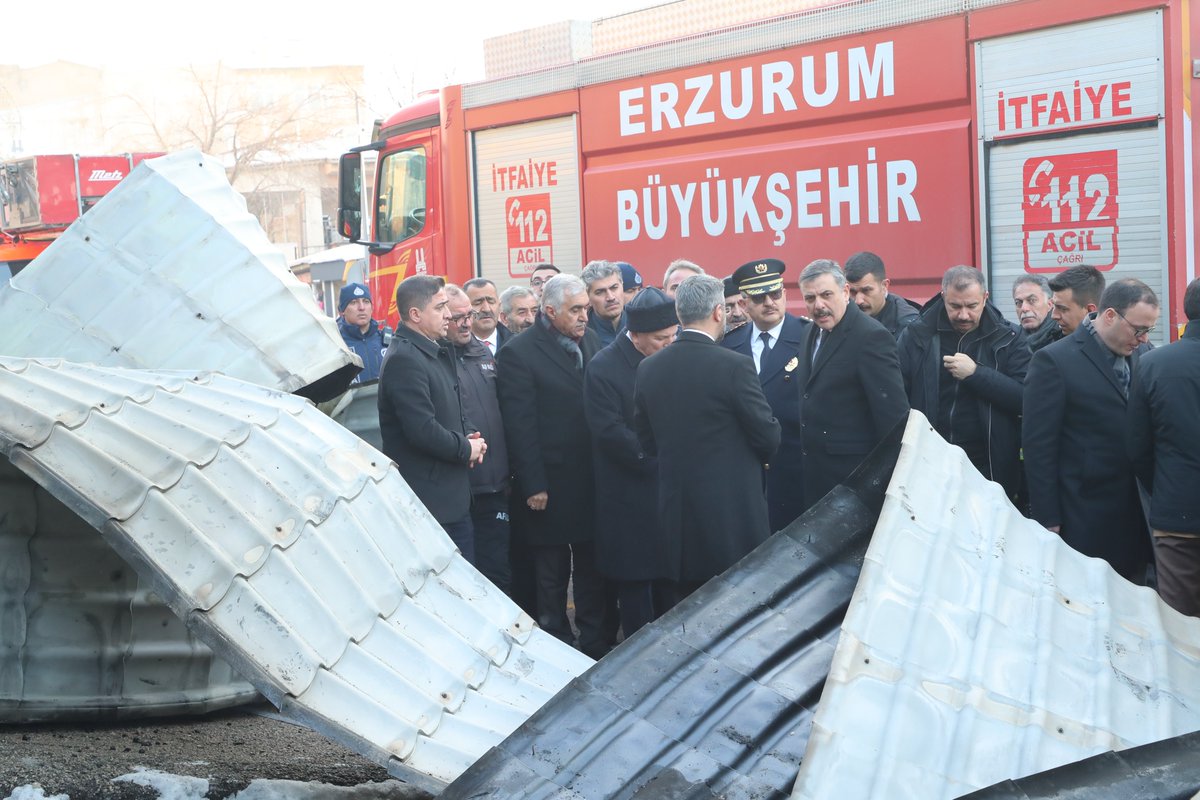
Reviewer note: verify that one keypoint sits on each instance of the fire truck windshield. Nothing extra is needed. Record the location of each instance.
(400, 207)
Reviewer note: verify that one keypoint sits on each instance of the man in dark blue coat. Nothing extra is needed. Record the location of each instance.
(362, 335)
(773, 340)
(630, 546)
(421, 417)
(1081, 482)
(1163, 438)
(700, 409)
(851, 392)
(964, 368)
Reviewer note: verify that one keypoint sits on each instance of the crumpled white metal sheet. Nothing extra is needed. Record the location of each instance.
(979, 647)
(170, 271)
(295, 550)
(82, 636)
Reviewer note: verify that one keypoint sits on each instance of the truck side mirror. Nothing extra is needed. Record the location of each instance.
(350, 192)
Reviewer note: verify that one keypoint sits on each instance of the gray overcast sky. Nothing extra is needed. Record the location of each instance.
(429, 39)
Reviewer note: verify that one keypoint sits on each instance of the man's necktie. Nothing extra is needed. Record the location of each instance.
(765, 337)
(817, 345)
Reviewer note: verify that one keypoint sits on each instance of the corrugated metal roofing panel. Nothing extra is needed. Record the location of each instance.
(295, 550)
(169, 271)
(715, 698)
(980, 647)
(81, 635)
(1166, 770)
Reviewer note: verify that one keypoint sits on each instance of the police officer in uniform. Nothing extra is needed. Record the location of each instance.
(773, 338)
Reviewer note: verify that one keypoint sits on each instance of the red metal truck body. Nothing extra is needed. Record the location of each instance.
(1020, 137)
(42, 195)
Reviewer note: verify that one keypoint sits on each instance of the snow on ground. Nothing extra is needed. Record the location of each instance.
(169, 787)
(33, 792)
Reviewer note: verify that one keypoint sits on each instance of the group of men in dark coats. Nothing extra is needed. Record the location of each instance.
(609, 472)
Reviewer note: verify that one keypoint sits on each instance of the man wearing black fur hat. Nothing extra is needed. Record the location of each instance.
(630, 549)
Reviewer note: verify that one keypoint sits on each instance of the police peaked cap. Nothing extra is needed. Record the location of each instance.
(760, 276)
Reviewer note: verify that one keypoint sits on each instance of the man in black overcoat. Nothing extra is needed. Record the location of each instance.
(851, 391)
(630, 550)
(773, 340)
(421, 420)
(1081, 482)
(700, 408)
(1163, 437)
(964, 368)
(540, 382)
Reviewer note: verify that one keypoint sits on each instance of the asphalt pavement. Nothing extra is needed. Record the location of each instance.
(250, 753)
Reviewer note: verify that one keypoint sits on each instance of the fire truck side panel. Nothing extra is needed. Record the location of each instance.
(48, 194)
(556, 104)
(453, 205)
(1008, 18)
(1182, 39)
(527, 198)
(723, 202)
(1075, 151)
(874, 74)
(98, 175)
(1018, 137)
(1191, 122)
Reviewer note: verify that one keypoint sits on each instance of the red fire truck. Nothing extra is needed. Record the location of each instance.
(40, 196)
(1017, 136)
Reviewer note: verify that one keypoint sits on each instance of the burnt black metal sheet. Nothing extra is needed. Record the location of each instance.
(716, 698)
(1166, 770)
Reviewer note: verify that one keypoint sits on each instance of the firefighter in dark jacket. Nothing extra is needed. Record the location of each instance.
(964, 368)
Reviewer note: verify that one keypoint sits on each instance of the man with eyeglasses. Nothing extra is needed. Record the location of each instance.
(1081, 482)
(537, 279)
(773, 339)
(476, 368)
(964, 368)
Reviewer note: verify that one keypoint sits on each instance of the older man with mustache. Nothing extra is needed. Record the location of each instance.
(1031, 298)
(851, 389)
(485, 302)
